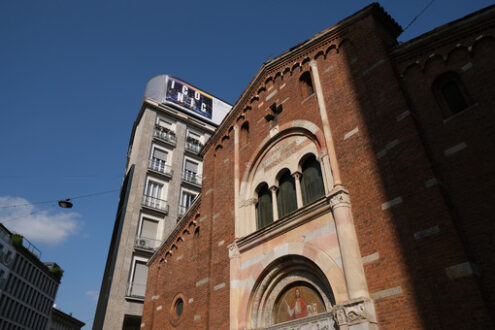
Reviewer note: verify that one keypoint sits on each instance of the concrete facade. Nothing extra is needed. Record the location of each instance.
(159, 148)
(400, 237)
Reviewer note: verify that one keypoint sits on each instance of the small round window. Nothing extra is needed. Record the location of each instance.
(179, 307)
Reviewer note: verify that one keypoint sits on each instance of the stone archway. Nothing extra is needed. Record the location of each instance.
(276, 286)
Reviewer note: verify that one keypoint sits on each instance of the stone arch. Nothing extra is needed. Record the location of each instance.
(457, 54)
(411, 68)
(289, 265)
(319, 54)
(433, 62)
(299, 136)
(483, 45)
(330, 48)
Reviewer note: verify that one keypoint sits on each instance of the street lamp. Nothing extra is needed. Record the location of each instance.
(65, 204)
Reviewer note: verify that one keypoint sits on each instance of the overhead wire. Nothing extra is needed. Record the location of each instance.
(418, 15)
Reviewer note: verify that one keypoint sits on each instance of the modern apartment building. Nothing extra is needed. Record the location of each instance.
(163, 177)
(27, 286)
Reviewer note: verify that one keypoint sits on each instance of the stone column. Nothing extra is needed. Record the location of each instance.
(274, 189)
(358, 312)
(235, 293)
(349, 246)
(297, 180)
(236, 181)
(332, 155)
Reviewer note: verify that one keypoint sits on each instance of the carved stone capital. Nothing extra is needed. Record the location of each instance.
(273, 188)
(233, 250)
(355, 311)
(339, 198)
(247, 202)
(297, 175)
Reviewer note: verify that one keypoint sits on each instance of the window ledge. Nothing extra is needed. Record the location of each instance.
(135, 299)
(285, 224)
(468, 109)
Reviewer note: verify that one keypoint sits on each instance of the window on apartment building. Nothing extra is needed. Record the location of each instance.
(187, 199)
(286, 194)
(138, 281)
(306, 84)
(149, 228)
(191, 171)
(311, 181)
(154, 190)
(164, 124)
(450, 93)
(264, 208)
(159, 160)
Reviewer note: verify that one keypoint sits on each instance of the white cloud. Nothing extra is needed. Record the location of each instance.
(38, 223)
(93, 294)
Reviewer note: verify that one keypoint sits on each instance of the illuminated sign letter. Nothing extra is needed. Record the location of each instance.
(184, 90)
(180, 97)
(203, 107)
(197, 96)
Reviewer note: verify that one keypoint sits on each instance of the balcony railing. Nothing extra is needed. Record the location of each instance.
(159, 165)
(193, 147)
(146, 243)
(136, 290)
(155, 203)
(165, 135)
(191, 177)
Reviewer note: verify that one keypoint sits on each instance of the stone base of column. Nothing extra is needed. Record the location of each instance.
(355, 314)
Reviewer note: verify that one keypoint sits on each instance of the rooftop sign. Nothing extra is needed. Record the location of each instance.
(194, 101)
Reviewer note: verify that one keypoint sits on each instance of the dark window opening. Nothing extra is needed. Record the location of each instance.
(286, 195)
(244, 138)
(306, 84)
(179, 307)
(264, 207)
(312, 181)
(451, 94)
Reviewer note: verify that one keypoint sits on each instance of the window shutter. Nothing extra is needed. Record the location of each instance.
(192, 167)
(149, 228)
(157, 153)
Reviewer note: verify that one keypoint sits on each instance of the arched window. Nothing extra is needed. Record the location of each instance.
(244, 137)
(306, 84)
(311, 181)
(286, 195)
(451, 94)
(264, 208)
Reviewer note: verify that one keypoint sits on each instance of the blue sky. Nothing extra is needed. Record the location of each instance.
(72, 76)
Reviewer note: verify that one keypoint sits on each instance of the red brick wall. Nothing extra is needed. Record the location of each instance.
(388, 158)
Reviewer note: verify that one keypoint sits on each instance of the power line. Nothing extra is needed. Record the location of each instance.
(55, 201)
(417, 16)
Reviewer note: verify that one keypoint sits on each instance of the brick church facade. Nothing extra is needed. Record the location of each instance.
(351, 186)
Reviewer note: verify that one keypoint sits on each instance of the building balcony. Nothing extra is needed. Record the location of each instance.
(193, 146)
(160, 166)
(148, 244)
(155, 203)
(135, 290)
(165, 135)
(192, 178)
